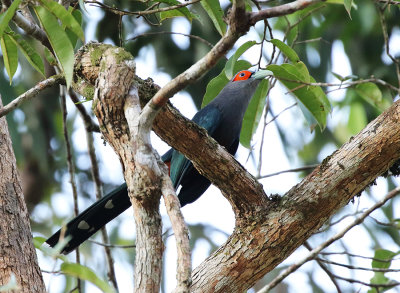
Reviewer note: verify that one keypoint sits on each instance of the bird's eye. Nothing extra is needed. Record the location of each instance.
(242, 75)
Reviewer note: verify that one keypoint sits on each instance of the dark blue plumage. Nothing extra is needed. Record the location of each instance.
(222, 118)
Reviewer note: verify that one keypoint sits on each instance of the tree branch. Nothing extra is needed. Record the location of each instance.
(31, 93)
(284, 9)
(267, 232)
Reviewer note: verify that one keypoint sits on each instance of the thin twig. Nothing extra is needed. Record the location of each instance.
(373, 285)
(325, 244)
(98, 184)
(338, 221)
(395, 61)
(392, 224)
(141, 13)
(305, 168)
(359, 256)
(171, 33)
(111, 245)
(90, 125)
(31, 93)
(277, 115)
(325, 269)
(71, 167)
(351, 267)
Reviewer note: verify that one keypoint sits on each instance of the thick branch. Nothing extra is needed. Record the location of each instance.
(254, 250)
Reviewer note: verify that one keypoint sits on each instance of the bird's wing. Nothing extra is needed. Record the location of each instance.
(208, 118)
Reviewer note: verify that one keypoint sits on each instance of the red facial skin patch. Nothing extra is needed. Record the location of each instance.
(242, 75)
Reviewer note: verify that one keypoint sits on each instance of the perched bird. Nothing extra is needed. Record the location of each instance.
(222, 118)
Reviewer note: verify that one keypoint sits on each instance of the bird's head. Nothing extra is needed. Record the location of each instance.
(244, 83)
(250, 75)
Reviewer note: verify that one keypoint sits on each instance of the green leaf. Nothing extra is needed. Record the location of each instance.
(253, 113)
(38, 241)
(66, 18)
(59, 42)
(357, 118)
(311, 121)
(182, 11)
(347, 5)
(170, 14)
(8, 15)
(382, 260)
(383, 254)
(371, 93)
(85, 273)
(214, 11)
(219, 82)
(379, 278)
(50, 57)
(230, 65)
(285, 49)
(30, 54)
(77, 14)
(312, 97)
(296, 77)
(10, 55)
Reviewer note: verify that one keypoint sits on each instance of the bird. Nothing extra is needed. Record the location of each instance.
(222, 118)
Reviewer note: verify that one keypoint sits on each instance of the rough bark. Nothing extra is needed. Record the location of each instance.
(268, 231)
(17, 253)
(111, 93)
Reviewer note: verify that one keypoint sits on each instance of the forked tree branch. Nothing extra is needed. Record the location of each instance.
(269, 231)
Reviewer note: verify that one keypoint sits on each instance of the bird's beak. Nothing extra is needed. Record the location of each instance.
(261, 74)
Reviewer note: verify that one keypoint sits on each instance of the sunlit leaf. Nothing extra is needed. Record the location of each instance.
(344, 78)
(77, 14)
(10, 55)
(59, 42)
(285, 49)
(386, 256)
(371, 93)
(182, 11)
(66, 18)
(230, 64)
(38, 241)
(357, 118)
(312, 97)
(30, 53)
(7, 16)
(214, 11)
(347, 5)
(379, 278)
(253, 113)
(297, 79)
(85, 273)
(50, 57)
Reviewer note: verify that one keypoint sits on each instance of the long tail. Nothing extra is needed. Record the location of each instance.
(93, 218)
(96, 216)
